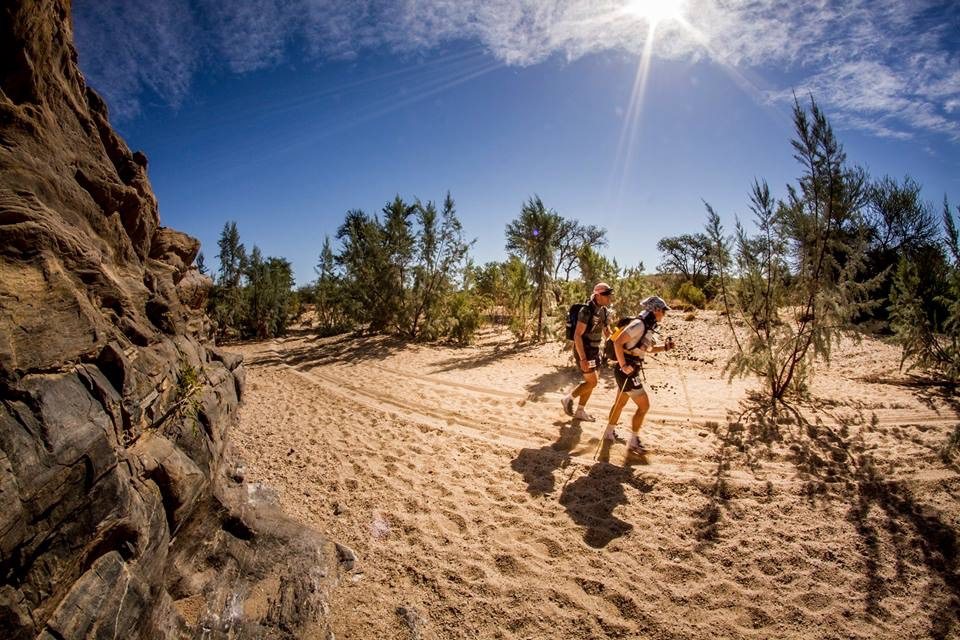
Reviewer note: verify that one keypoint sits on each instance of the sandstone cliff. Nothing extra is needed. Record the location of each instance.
(118, 517)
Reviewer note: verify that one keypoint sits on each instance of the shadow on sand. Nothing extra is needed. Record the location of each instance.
(591, 499)
(839, 467)
(537, 466)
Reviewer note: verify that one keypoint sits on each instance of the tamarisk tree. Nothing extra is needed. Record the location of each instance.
(795, 283)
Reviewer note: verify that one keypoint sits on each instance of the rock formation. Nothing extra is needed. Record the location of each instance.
(120, 516)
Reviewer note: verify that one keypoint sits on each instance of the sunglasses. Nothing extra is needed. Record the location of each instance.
(608, 292)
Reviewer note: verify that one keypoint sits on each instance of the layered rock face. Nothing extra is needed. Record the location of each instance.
(118, 514)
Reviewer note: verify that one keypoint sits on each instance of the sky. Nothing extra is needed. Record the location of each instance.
(282, 115)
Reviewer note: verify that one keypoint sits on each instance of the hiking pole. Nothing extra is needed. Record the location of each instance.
(610, 415)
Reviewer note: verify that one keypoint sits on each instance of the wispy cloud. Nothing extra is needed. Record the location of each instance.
(135, 51)
(885, 66)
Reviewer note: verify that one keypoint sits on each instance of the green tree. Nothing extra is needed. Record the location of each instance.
(201, 263)
(689, 256)
(400, 272)
(519, 295)
(328, 293)
(226, 306)
(232, 256)
(796, 286)
(930, 338)
(442, 253)
(901, 226)
(572, 238)
(364, 261)
(268, 295)
(631, 286)
(398, 251)
(595, 267)
(533, 237)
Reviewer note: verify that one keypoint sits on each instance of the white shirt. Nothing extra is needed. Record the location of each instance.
(639, 340)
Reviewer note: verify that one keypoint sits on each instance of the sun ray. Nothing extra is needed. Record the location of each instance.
(654, 13)
(631, 123)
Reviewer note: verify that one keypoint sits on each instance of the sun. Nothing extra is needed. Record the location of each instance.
(655, 11)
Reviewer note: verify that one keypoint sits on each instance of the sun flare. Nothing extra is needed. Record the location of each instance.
(655, 11)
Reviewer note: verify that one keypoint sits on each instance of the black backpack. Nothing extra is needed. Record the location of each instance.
(572, 315)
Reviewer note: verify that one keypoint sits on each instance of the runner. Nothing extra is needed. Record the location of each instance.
(635, 341)
(592, 327)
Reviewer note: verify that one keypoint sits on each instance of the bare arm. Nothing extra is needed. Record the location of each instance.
(578, 342)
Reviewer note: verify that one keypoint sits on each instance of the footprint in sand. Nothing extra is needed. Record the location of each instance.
(546, 548)
(451, 523)
(814, 601)
(591, 587)
(507, 564)
(474, 572)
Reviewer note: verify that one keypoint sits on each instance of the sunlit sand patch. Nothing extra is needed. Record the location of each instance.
(481, 539)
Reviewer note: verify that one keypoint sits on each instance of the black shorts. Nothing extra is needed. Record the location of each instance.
(593, 355)
(630, 385)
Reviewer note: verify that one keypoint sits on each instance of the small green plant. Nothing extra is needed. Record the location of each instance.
(465, 316)
(186, 402)
(186, 406)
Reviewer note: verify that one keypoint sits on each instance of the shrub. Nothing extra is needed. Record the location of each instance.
(690, 293)
(465, 315)
(925, 318)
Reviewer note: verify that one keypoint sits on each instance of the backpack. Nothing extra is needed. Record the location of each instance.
(649, 320)
(572, 315)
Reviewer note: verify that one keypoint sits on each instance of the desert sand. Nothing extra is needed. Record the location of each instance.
(476, 507)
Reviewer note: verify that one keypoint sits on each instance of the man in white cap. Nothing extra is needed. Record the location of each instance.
(592, 327)
(631, 345)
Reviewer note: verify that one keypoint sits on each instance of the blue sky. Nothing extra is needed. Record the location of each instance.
(284, 114)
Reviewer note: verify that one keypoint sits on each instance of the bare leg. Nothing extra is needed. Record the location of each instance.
(618, 405)
(643, 405)
(585, 388)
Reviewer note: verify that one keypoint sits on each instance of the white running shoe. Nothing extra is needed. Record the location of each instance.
(583, 416)
(567, 404)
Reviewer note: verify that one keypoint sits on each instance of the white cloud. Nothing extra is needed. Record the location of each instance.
(879, 65)
(247, 34)
(131, 47)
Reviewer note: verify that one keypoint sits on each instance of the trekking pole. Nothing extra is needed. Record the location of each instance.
(610, 414)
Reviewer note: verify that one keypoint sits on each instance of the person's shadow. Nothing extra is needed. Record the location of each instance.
(591, 499)
(537, 466)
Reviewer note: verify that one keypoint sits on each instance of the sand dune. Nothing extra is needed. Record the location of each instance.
(477, 508)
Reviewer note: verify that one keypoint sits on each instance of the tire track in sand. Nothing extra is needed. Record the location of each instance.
(661, 462)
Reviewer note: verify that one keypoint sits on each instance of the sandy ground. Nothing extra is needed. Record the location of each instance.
(477, 510)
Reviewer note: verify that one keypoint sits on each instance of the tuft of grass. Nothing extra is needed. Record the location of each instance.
(186, 395)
